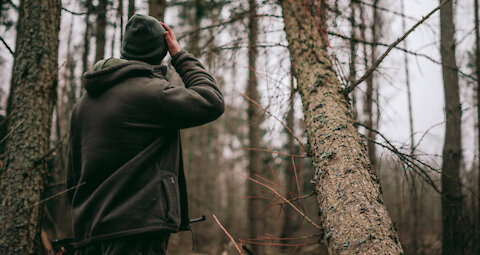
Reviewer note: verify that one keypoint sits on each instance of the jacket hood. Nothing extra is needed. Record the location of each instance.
(106, 75)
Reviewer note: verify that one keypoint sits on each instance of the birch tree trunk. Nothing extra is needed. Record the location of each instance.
(452, 237)
(32, 97)
(353, 216)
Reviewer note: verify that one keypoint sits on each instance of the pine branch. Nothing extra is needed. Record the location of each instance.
(350, 88)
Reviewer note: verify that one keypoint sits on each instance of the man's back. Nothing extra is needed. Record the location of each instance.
(125, 151)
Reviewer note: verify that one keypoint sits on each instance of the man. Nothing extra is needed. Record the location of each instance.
(125, 170)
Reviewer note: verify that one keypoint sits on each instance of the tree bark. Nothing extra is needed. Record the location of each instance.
(157, 9)
(353, 216)
(100, 29)
(255, 204)
(452, 237)
(131, 8)
(32, 97)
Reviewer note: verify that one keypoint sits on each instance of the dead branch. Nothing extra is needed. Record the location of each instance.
(74, 13)
(285, 199)
(416, 54)
(350, 88)
(11, 132)
(276, 152)
(269, 113)
(6, 46)
(229, 236)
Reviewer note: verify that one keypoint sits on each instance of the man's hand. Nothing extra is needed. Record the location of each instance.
(172, 42)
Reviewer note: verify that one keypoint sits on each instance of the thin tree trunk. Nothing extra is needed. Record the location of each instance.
(372, 155)
(477, 62)
(120, 17)
(452, 238)
(32, 97)
(413, 190)
(86, 36)
(353, 216)
(353, 53)
(131, 8)
(255, 204)
(100, 29)
(157, 9)
(289, 225)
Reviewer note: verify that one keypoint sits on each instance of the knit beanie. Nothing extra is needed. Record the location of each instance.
(144, 40)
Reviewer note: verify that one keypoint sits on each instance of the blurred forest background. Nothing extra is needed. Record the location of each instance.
(402, 109)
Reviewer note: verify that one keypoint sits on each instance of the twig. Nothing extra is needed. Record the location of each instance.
(350, 88)
(229, 236)
(416, 54)
(74, 13)
(276, 152)
(6, 46)
(55, 195)
(386, 10)
(286, 200)
(10, 133)
(269, 113)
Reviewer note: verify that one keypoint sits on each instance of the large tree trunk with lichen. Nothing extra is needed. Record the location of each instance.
(452, 240)
(32, 97)
(353, 216)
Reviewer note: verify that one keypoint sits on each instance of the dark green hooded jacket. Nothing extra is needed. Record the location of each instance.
(125, 167)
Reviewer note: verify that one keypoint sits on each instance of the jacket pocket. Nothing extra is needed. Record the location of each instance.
(170, 185)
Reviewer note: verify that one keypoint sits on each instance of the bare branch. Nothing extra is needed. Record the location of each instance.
(269, 113)
(74, 13)
(6, 46)
(350, 88)
(229, 236)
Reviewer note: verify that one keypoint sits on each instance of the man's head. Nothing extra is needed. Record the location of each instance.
(144, 40)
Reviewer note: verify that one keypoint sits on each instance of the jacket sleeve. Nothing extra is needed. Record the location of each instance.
(199, 102)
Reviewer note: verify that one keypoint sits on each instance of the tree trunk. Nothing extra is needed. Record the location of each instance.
(415, 235)
(86, 37)
(289, 225)
(32, 97)
(100, 29)
(354, 218)
(157, 9)
(477, 65)
(353, 53)
(372, 155)
(452, 238)
(255, 204)
(131, 8)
